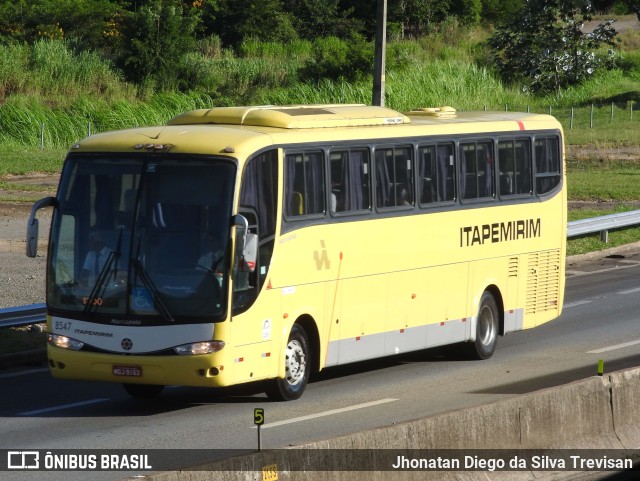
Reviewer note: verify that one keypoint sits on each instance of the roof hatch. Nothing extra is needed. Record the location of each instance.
(294, 116)
(439, 112)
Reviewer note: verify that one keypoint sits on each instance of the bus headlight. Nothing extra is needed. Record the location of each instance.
(195, 348)
(65, 342)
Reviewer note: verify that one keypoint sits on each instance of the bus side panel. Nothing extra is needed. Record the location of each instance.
(255, 339)
(316, 301)
(447, 304)
(406, 311)
(362, 319)
(512, 295)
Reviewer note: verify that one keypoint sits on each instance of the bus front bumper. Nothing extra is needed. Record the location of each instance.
(206, 370)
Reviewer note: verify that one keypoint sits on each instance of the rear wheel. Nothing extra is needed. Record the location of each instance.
(143, 391)
(487, 328)
(297, 365)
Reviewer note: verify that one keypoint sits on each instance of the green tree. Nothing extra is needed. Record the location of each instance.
(500, 11)
(235, 20)
(322, 18)
(545, 47)
(91, 24)
(417, 17)
(365, 12)
(634, 6)
(155, 38)
(468, 11)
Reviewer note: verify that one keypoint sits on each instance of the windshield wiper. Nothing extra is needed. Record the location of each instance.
(103, 275)
(146, 280)
(100, 282)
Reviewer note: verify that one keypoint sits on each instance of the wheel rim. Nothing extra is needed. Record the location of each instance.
(486, 326)
(295, 363)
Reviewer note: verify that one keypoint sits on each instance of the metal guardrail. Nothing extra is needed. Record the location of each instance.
(35, 313)
(603, 224)
(22, 315)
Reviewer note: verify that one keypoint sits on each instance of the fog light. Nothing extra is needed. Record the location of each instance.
(197, 348)
(64, 342)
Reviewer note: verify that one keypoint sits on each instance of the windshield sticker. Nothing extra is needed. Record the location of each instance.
(142, 300)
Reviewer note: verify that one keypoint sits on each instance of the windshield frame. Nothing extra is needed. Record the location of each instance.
(162, 311)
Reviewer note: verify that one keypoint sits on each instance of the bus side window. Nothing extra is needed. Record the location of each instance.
(349, 172)
(523, 167)
(304, 183)
(547, 164)
(435, 173)
(394, 177)
(514, 162)
(476, 170)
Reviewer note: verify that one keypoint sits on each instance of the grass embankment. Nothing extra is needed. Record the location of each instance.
(21, 339)
(611, 185)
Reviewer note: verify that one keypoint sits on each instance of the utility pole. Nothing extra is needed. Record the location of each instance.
(380, 53)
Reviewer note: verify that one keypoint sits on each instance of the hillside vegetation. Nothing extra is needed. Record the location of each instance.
(51, 84)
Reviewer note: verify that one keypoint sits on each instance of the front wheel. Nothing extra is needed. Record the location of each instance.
(297, 365)
(487, 327)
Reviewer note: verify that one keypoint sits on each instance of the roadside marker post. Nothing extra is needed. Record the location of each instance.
(258, 420)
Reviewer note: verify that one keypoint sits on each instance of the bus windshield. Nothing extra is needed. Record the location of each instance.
(144, 236)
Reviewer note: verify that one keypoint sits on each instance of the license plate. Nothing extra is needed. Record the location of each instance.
(131, 371)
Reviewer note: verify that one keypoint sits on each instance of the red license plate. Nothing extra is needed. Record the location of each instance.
(131, 371)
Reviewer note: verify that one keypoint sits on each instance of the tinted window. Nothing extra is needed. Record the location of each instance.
(514, 158)
(394, 177)
(476, 170)
(436, 173)
(350, 183)
(304, 189)
(547, 164)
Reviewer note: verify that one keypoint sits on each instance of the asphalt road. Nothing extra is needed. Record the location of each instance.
(600, 321)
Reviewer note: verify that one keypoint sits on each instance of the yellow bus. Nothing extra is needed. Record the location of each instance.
(244, 244)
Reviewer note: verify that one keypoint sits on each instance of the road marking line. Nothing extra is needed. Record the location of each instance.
(600, 271)
(630, 291)
(577, 303)
(64, 406)
(613, 348)
(24, 373)
(575, 273)
(327, 413)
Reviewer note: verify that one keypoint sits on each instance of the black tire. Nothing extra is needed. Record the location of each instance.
(143, 391)
(297, 368)
(487, 329)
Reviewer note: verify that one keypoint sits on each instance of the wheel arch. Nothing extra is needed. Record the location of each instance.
(308, 323)
(497, 295)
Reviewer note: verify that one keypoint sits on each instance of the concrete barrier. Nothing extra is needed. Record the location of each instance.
(625, 396)
(594, 413)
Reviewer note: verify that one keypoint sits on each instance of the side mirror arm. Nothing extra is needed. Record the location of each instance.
(32, 224)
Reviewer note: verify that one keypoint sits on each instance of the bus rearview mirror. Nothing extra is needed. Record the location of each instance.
(33, 224)
(246, 245)
(249, 253)
(32, 238)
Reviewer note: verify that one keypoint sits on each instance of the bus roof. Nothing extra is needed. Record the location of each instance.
(240, 131)
(294, 116)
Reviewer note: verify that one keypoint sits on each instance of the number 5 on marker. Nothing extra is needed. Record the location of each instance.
(258, 416)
